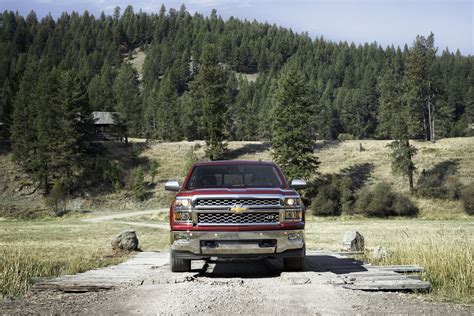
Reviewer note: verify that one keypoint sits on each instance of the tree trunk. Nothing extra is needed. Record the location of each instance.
(410, 180)
(431, 115)
(429, 118)
(425, 129)
(433, 138)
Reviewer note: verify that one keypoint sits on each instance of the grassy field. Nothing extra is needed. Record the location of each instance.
(47, 248)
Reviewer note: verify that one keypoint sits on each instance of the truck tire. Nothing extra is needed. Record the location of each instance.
(293, 263)
(179, 265)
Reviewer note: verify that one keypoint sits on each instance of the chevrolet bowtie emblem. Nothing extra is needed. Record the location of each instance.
(238, 209)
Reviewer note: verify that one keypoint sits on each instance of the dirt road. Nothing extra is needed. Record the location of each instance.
(115, 217)
(144, 285)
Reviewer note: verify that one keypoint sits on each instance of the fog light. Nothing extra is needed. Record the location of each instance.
(181, 237)
(182, 216)
(293, 215)
(294, 236)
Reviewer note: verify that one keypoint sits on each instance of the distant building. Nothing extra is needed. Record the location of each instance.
(107, 126)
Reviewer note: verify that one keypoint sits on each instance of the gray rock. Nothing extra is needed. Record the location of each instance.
(126, 240)
(353, 241)
(380, 253)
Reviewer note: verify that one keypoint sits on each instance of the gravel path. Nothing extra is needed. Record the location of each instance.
(144, 285)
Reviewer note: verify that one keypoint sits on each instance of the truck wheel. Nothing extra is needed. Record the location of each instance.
(293, 263)
(179, 265)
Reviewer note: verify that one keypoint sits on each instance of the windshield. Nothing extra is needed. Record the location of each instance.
(234, 176)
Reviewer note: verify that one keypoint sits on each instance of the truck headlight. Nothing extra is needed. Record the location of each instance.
(182, 210)
(294, 215)
(292, 202)
(182, 217)
(182, 203)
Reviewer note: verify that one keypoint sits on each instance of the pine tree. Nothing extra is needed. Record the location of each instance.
(470, 105)
(75, 124)
(292, 148)
(24, 137)
(417, 87)
(394, 124)
(6, 106)
(191, 114)
(48, 131)
(127, 97)
(209, 92)
(100, 90)
(393, 110)
(402, 159)
(168, 124)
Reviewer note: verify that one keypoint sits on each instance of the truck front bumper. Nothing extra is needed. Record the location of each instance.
(205, 244)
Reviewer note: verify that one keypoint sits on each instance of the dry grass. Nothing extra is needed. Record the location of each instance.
(445, 248)
(248, 77)
(137, 61)
(448, 263)
(49, 248)
(345, 154)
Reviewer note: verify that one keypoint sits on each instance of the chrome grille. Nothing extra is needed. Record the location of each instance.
(232, 202)
(235, 218)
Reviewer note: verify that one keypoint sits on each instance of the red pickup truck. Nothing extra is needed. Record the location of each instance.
(236, 209)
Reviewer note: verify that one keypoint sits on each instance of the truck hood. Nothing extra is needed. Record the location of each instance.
(241, 191)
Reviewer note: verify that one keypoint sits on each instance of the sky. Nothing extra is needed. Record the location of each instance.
(385, 21)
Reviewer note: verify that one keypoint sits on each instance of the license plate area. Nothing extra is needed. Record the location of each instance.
(258, 246)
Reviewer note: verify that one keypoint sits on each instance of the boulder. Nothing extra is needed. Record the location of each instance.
(353, 241)
(126, 240)
(380, 253)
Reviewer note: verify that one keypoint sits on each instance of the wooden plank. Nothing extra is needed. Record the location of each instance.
(401, 268)
(349, 253)
(376, 278)
(387, 285)
(72, 288)
(373, 272)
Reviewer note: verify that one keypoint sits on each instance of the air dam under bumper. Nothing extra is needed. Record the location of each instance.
(205, 244)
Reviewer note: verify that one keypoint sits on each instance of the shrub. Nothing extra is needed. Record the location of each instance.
(154, 170)
(381, 201)
(334, 196)
(454, 187)
(467, 197)
(440, 181)
(57, 197)
(110, 173)
(403, 206)
(138, 185)
(344, 136)
(326, 202)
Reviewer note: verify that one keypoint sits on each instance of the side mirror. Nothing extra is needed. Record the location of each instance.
(172, 185)
(298, 184)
